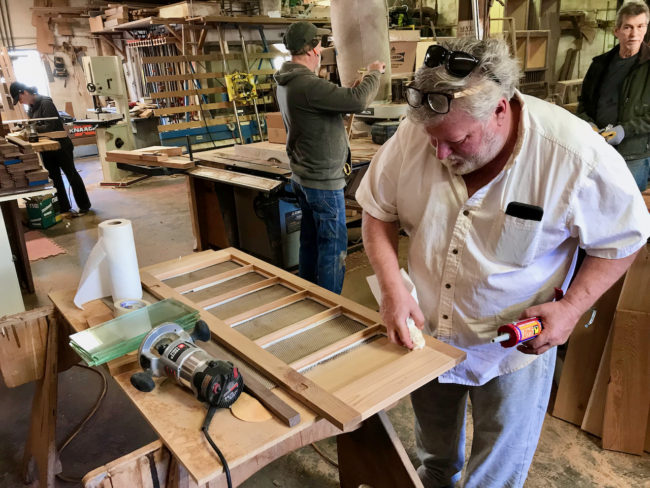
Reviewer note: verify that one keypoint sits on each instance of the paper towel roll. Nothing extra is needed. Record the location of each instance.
(112, 267)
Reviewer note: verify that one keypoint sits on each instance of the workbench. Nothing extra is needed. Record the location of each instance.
(11, 300)
(244, 199)
(339, 379)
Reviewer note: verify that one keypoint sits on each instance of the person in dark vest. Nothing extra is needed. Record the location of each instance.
(54, 161)
(616, 91)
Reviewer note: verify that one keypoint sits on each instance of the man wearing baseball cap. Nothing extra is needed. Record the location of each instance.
(312, 110)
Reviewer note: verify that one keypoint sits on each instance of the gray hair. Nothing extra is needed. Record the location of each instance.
(631, 9)
(496, 77)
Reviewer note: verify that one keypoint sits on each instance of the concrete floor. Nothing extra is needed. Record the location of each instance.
(566, 456)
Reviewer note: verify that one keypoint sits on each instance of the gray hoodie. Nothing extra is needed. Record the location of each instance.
(312, 110)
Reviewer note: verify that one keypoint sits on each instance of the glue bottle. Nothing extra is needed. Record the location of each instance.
(518, 332)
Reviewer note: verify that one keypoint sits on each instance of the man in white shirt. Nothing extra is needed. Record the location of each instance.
(496, 191)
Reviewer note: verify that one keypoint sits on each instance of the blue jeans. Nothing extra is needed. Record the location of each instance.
(508, 412)
(640, 169)
(323, 236)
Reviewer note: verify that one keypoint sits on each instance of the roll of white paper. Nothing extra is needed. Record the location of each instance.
(112, 267)
(119, 246)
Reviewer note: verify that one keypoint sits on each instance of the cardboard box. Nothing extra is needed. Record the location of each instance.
(96, 23)
(402, 56)
(328, 56)
(275, 128)
(403, 46)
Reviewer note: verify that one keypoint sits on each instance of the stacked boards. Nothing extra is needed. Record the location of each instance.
(163, 156)
(19, 170)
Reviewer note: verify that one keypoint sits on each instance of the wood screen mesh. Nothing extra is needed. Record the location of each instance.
(250, 301)
(202, 273)
(311, 340)
(225, 286)
(277, 319)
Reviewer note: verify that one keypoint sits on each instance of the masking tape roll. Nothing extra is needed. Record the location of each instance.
(128, 305)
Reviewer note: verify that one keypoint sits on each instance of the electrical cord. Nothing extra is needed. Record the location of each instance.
(323, 455)
(206, 425)
(62, 476)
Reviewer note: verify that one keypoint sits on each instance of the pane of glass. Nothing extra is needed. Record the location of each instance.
(124, 334)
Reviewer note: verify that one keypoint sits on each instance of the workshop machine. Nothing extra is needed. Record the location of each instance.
(105, 78)
(170, 351)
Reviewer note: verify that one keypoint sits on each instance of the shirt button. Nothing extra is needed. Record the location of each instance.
(447, 285)
(465, 213)
(454, 251)
(445, 317)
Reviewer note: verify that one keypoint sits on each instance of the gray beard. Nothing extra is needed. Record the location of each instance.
(459, 165)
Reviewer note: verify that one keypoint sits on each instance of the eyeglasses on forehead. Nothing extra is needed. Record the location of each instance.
(439, 102)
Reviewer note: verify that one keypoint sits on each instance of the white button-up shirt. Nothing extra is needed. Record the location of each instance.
(475, 267)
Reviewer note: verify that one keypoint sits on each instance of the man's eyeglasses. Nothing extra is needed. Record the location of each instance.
(457, 63)
(439, 102)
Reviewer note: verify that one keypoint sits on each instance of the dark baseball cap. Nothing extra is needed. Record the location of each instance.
(16, 89)
(300, 34)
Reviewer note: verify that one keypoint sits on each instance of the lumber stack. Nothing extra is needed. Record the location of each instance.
(143, 110)
(19, 170)
(163, 156)
(113, 15)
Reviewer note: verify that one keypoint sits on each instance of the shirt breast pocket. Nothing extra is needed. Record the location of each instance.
(516, 240)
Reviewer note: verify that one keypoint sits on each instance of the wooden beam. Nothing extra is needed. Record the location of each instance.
(190, 108)
(267, 398)
(202, 76)
(184, 77)
(186, 58)
(107, 38)
(203, 123)
(200, 108)
(188, 93)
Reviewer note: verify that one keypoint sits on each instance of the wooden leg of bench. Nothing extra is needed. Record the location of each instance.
(374, 455)
(40, 449)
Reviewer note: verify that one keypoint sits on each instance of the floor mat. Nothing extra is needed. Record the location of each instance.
(40, 247)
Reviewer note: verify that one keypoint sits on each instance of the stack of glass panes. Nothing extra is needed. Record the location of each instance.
(125, 333)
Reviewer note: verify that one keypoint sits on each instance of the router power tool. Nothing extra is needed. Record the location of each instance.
(170, 351)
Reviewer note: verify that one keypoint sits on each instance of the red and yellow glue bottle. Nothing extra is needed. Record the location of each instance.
(518, 332)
